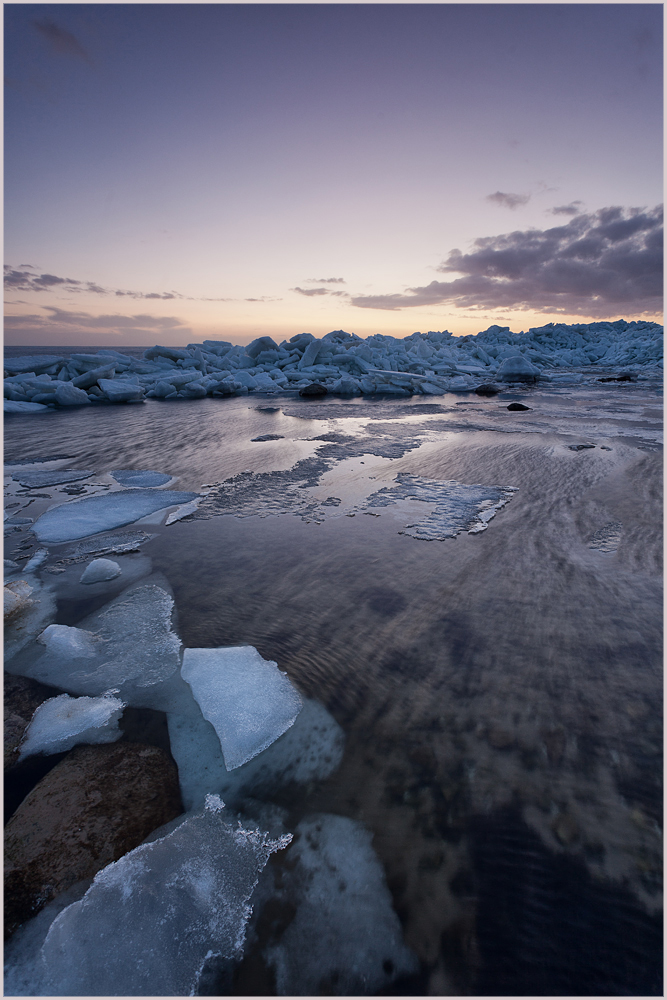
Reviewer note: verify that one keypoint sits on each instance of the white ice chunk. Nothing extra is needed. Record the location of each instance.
(136, 477)
(60, 723)
(517, 369)
(120, 390)
(69, 642)
(17, 406)
(150, 920)
(99, 570)
(310, 750)
(40, 557)
(183, 511)
(90, 515)
(249, 702)
(68, 395)
(345, 933)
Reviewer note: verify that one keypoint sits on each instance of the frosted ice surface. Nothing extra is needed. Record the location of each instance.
(90, 515)
(40, 477)
(60, 723)
(150, 920)
(99, 570)
(29, 619)
(607, 538)
(135, 477)
(458, 507)
(135, 649)
(310, 750)
(345, 938)
(68, 641)
(183, 511)
(249, 702)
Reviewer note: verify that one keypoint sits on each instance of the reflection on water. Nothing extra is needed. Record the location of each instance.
(500, 692)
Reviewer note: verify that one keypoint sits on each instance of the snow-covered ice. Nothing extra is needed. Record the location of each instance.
(310, 750)
(149, 921)
(100, 570)
(137, 477)
(62, 722)
(90, 515)
(345, 939)
(249, 702)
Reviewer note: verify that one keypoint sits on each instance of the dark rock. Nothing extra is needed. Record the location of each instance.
(97, 804)
(518, 406)
(314, 389)
(580, 447)
(499, 738)
(487, 389)
(619, 378)
(269, 437)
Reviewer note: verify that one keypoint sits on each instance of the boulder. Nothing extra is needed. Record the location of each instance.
(518, 406)
(97, 804)
(314, 389)
(487, 389)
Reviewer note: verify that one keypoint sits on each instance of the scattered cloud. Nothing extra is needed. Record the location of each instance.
(316, 291)
(595, 265)
(61, 41)
(571, 209)
(506, 200)
(25, 280)
(325, 281)
(36, 328)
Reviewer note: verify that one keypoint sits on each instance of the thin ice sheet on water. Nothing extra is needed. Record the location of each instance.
(249, 702)
(458, 507)
(129, 645)
(35, 479)
(62, 722)
(345, 932)
(80, 518)
(138, 477)
(310, 750)
(150, 920)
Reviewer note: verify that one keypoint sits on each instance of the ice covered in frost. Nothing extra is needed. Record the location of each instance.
(90, 515)
(36, 607)
(99, 570)
(310, 750)
(60, 723)
(37, 478)
(249, 702)
(150, 921)
(136, 477)
(129, 645)
(345, 938)
(458, 507)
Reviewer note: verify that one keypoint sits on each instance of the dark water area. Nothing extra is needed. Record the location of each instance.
(500, 692)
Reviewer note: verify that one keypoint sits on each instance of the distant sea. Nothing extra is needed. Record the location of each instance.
(19, 352)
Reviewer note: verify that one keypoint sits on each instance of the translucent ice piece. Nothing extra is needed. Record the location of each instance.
(99, 570)
(60, 723)
(135, 477)
(247, 699)
(150, 920)
(79, 518)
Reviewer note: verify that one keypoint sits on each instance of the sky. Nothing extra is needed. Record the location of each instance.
(181, 172)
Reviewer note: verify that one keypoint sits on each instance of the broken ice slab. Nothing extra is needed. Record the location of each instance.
(310, 750)
(249, 702)
(136, 477)
(29, 616)
(150, 921)
(80, 518)
(34, 479)
(345, 932)
(118, 543)
(100, 570)
(60, 723)
(129, 645)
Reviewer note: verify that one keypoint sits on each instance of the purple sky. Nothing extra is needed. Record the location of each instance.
(179, 172)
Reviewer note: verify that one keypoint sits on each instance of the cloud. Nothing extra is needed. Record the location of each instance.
(316, 291)
(61, 41)
(595, 265)
(61, 324)
(508, 200)
(325, 281)
(570, 209)
(25, 281)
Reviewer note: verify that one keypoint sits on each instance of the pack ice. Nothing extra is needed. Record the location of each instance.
(60, 723)
(90, 515)
(249, 702)
(150, 921)
(425, 363)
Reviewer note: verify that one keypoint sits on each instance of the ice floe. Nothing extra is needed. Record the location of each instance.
(343, 363)
(100, 570)
(136, 477)
(62, 722)
(150, 921)
(90, 515)
(34, 479)
(249, 702)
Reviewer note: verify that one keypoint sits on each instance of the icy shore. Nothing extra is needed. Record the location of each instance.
(341, 363)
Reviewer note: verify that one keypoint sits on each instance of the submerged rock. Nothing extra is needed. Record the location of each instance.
(518, 406)
(314, 389)
(93, 807)
(487, 389)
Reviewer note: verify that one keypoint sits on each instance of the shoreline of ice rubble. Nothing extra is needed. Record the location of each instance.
(342, 363)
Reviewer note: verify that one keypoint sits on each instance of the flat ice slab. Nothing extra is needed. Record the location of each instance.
(80, 518)
(136, 477)
(60, 723)
(39, 477)
(249, 702)
(150, 921)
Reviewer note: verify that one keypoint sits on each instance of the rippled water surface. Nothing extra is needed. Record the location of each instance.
(500, 690)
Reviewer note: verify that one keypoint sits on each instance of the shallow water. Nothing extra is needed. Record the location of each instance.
(500, 691)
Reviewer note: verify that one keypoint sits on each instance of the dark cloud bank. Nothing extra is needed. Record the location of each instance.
(595, 265)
